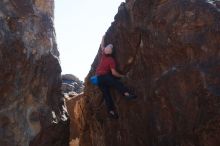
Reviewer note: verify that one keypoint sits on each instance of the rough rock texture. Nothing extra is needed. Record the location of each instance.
(170, 51)
(30, 77)
(71, 83)
(75, 109)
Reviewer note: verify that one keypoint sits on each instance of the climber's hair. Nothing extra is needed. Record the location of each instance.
(108, 49)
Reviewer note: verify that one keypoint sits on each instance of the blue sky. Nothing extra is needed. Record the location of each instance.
(80, 25)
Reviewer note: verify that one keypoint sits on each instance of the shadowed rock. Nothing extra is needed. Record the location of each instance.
(30, 76)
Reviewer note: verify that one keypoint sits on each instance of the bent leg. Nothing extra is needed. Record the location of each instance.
(119, 86)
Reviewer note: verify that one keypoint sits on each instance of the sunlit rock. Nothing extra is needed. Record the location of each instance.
(71, 83)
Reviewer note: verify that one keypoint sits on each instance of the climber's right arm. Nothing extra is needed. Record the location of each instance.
(103, 43)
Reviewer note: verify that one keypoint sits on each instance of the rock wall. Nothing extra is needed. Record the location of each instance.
(30, 76)
(75, 109)
(170, 52)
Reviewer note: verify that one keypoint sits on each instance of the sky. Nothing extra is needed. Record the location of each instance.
(80, 25)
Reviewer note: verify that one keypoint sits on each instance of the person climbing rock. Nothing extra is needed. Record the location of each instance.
(108, 77)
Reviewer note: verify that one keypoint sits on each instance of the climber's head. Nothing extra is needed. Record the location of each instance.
(108, 49)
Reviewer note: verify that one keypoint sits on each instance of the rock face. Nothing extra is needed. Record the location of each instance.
(75, 110)
(30, 77)
(170, 52)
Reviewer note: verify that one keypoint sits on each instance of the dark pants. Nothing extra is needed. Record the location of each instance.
(107, 81)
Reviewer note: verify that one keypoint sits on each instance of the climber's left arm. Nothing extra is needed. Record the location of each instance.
(116, 73)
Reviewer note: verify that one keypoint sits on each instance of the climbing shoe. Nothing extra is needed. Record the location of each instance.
(131, 96)
(112, 114)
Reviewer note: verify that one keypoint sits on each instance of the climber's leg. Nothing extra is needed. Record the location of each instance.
(106, 94)
(114, 82)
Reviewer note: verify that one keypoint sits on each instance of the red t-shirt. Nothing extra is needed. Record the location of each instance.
(106, 64)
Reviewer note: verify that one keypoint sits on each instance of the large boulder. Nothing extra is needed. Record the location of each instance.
(31, 102)
(170, 52)
(71, 83)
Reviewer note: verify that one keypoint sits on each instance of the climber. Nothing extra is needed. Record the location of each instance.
(108, 77)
